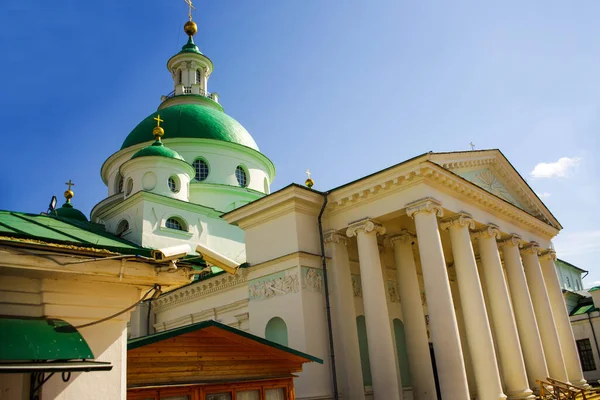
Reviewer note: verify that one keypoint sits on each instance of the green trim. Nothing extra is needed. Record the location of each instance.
(41, 339)
(171, 333)
(571, 265)
(184, 99)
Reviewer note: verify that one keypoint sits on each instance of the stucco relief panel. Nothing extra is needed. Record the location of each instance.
(393, 292)
(486, 180)
(273, 285)
(312, 279)
(356, 285)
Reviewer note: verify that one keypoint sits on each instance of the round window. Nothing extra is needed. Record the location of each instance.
(241, 176)
(122, 227)
(174, 184)
(201, 168)
(129, 187)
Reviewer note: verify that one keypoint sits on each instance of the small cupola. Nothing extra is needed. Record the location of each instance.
(190, 68)
(157, 169)
(67, 210)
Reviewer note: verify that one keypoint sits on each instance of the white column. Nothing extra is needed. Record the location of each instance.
(444, 329)
(529, 335)
(561, 318)
(417, 344)
(543, 313)
(479, 333)
(386, 383)
(346, 349)
(510, 355)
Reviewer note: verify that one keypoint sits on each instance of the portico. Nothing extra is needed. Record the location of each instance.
(462, 228)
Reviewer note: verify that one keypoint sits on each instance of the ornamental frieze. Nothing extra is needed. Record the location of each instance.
(277, 284)
(312, 279)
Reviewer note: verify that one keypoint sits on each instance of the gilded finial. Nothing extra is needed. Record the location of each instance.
(309, 182)
(190, 28)
(158, 132)
(69, 193)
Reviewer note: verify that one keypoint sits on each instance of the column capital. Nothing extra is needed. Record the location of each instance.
(333, 236)
(403, 237)
(531, 247)
(512, 240)
(460, 219)
(490, 231)
(548, 255)
(427, 204)
(366, 226)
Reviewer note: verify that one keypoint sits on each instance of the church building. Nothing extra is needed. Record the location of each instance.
(433, 278)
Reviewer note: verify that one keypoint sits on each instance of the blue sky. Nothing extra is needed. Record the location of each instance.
(343, 88)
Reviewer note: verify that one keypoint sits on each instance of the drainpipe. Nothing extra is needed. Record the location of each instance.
(336, 394)
(594, 333)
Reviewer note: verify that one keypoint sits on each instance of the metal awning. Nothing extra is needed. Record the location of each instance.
(44, 345)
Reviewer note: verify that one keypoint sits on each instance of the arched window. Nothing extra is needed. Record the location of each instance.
(201, 168)
(363, 348)
(173, 184)
(401, 352)
(198, 76)
(122, 227)
(241, 176)
(176, 223)
(120, 185)
(180, 79)
(276, 331)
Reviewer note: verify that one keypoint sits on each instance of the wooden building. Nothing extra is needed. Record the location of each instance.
(211, 361)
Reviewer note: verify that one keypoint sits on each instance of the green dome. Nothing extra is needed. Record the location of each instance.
(157, 149)
(68, 211)
(192, 121)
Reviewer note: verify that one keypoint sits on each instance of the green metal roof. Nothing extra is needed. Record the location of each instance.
(157, 149)
(584, 309)
(42, 229)
(38, 339)
(157, 337)
(192, 121)
(190, 47)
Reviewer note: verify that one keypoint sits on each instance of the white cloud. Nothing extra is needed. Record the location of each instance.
(559, 168)
(577, 243)
(544, 195)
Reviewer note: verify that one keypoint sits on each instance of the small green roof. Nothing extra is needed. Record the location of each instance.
(157, 337)
(68, 211)
(584, 309)
(196, 121)
(40, 339)
(190, 47)
(157, 149)
(56, 230)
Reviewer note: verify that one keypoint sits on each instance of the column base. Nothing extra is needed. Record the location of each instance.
(525, 394)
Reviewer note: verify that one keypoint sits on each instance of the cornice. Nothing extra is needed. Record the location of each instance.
(285, 201)
(200, 289)
(297, 255)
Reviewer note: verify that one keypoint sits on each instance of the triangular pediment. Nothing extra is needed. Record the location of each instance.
(491, 171)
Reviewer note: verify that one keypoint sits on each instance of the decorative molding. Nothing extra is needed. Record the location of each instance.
(312, 279)
(531, 247)
(356, 285)
(366, 226)
(548, 255)
(276, 284)
(512, 240)
(427, 204)
(200, 289)
(403, 237)
(204, 315)
(333, 236)
(490, 231)
(462, 219)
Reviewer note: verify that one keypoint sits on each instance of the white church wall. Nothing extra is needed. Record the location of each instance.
(583, 330)
(271, 239)
(152, 174)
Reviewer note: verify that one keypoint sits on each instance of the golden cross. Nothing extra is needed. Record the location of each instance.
(308, 173)
(69, 184)
(158, 120)
(191, 7)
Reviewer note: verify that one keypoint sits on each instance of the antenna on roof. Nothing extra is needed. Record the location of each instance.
(472, 146)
